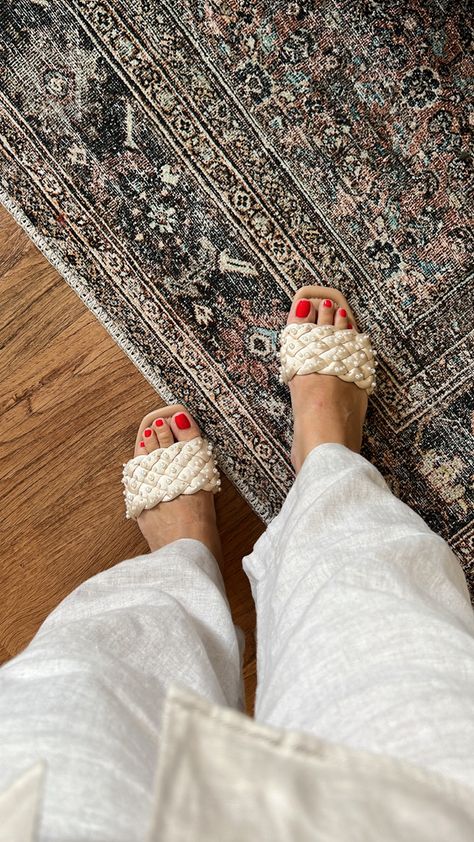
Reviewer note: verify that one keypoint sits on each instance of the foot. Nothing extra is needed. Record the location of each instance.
(325, 408)
(187, 516)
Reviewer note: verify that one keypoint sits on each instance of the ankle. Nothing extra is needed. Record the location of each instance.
(211, 541)
(307, 437)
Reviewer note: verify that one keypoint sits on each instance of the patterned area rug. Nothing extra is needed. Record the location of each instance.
(188, 165)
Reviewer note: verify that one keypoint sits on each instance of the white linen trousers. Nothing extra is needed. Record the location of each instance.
(365, 637)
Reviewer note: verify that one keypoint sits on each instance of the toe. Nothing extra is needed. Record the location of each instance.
(163, 432)
(326, 312)
(341, 319)
(184, 426)
(150, 441)
(302, 310)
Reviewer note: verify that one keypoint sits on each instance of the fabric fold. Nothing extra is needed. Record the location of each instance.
(223, 777)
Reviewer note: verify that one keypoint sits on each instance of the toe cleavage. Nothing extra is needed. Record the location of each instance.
(174, 423)
(322, 306)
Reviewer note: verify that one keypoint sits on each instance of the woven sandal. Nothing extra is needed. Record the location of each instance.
(307, 348)
(183, 468)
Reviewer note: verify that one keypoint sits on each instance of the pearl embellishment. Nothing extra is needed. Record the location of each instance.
(165, 473)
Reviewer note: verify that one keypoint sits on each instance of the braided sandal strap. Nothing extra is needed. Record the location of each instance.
(183, 468)
(307, 348)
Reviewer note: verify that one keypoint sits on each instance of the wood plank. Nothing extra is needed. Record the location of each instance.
(71, 401)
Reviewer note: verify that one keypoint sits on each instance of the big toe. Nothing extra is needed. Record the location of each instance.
(302, 310)
(183, 425)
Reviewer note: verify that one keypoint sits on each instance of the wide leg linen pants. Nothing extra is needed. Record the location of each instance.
(365, 636)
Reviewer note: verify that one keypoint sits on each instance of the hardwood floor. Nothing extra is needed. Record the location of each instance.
(71, 402)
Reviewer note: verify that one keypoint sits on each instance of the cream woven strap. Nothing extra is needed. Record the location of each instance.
(183, 468)
(307, 348)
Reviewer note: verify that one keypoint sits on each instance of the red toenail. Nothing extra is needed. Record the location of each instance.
(342, 313)
(327, 302)
(302, 308)
(182, 421)
(349, 326)
(159, 422)
(142, 444)
(147, 433)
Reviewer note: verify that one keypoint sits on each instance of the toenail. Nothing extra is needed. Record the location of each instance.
(349, 326)
(342, 313)
(182, 421)
(147, 433)
(159, 422)
(327, 302)
(142, 444)
(302, 308)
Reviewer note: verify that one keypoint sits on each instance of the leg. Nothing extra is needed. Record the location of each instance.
(87, 694)
(365, 630)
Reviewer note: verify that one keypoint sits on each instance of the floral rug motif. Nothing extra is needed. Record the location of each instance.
(188, 165)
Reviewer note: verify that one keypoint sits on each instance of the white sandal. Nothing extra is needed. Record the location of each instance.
(167, 472)
(307, 348)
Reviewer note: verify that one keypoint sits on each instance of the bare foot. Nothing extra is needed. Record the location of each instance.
(325, 408)
(188, 516)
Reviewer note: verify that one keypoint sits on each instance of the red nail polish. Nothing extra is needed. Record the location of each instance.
(327, 303)
(159, 422)
(349, 326)
(182, 421)
(302, 308)
(142, 444)
(342, 313)
(147, 433)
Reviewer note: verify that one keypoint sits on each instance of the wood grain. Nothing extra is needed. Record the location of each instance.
(71, 401)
